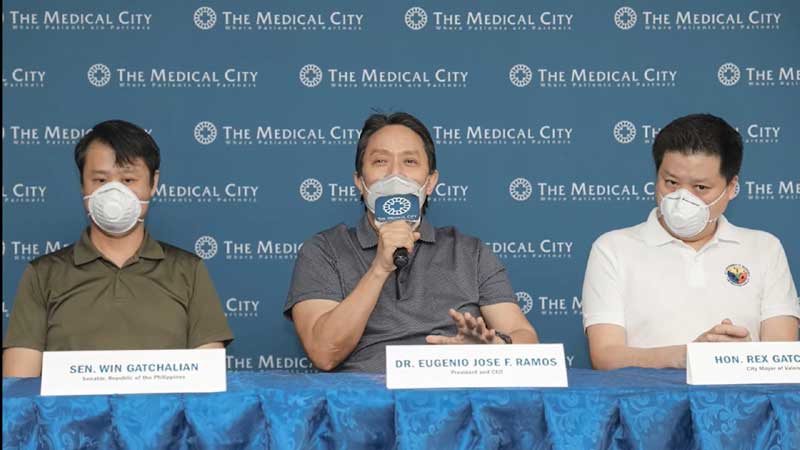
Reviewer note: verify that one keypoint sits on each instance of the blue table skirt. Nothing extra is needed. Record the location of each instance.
(624, 409)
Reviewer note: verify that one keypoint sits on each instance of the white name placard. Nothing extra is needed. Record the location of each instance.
(743, 363)
(466, 366)
(133, 372)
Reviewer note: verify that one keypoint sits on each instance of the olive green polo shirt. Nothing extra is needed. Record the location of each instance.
(75, 299)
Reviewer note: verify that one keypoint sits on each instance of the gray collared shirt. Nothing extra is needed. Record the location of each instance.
(447, 269)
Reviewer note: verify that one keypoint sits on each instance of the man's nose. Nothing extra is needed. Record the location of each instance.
(396, 168)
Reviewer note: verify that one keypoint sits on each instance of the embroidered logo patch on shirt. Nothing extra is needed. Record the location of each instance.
(737, 274)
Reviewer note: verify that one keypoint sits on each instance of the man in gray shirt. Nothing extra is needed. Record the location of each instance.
(348, 300)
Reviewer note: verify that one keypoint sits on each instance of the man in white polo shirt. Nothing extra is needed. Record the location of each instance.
(687, 274)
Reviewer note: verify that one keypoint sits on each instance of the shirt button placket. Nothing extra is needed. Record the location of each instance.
(117, 285)
(696, 275)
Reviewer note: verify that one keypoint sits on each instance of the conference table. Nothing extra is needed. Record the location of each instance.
(622, 409)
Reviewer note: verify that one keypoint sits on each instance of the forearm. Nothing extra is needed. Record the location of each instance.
(210, 345)
(524, 336)
(337, 332)
(22, 362)
(619, 356)
(781, 328)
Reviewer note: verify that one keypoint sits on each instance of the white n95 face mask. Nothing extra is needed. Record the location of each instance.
(685, 214)
(393, 185)
(115, 208)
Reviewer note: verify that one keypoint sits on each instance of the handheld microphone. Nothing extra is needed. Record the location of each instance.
(398, 207)
(400, 257)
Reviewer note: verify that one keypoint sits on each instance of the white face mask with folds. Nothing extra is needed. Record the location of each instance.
(685, 214)
(115, 208)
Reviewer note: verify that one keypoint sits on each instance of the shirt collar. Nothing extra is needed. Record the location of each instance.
(726, 231)
(85, 251)
(654, 233)
(368, 238)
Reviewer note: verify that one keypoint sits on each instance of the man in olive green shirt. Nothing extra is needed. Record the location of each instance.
(117, 288)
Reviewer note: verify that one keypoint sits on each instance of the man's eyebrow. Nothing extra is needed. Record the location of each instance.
(402, 152)
(693, 180)
(409, 152)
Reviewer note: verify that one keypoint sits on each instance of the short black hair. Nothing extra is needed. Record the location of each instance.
(377, 121)
(128, 141)
(701, 133)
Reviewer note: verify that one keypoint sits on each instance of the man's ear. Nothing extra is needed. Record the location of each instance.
(154, 184)
(358, 183)
(83, 186)
(733, 187)
(433, 180)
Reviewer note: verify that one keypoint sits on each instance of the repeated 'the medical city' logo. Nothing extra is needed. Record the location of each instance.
(269, 135)
(241, 307)
(101, 75)
(770, 190)
(24, 193)
(78, 20)
(28, 251)
(542, 134)
(760, 133)
(24, 77)
(550, 305)
(205, 132)
(533, 250)
(522, 189)
(729, 74)
(416, 18)
(626, 18)
(313, 190)
(207, 247)
(290, 364)
(44, 135)
(206, 18)
(626, 132)
(525, 301)
(522, 75)
(312, 76)
(219, 194)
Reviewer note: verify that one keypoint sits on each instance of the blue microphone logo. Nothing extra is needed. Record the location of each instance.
(397, 207)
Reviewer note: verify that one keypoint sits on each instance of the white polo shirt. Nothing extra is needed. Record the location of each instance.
(663, 292)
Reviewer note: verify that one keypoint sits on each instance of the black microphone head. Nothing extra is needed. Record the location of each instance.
(400, 258)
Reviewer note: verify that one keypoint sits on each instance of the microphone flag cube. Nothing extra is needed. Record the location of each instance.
(397, 207)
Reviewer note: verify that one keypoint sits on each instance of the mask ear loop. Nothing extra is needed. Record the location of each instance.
(428, 178)
(708, 207)
(364, 184)
(724, 191)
